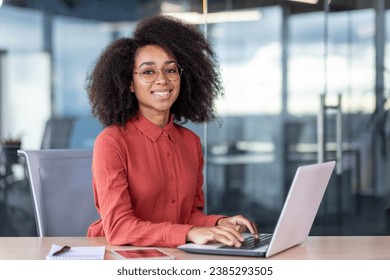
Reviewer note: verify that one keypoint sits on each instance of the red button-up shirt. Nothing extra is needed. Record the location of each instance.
(147, 184)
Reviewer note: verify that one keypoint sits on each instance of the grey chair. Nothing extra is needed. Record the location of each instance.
(61, 188)
(58, 133)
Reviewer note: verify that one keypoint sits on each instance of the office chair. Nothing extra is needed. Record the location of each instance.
(61, 188)
(58, 133)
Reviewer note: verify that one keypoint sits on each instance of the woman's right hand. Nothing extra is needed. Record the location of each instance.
(227, 235)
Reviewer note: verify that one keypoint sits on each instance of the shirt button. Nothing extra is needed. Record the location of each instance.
(173, 201)
(172, 177)
(168, 154)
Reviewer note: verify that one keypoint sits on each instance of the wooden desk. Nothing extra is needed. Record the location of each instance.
(314, 248)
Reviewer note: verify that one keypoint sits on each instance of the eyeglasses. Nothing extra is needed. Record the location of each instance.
(149, 72)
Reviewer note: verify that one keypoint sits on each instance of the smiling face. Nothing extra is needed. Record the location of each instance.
(154, 98)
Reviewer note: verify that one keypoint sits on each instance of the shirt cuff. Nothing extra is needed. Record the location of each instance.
(177, 235)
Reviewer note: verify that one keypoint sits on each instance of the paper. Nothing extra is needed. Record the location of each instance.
(77, 253)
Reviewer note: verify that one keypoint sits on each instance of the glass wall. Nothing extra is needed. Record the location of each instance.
(243, 166)
(25, 76)
(334, 54)
(88, 37)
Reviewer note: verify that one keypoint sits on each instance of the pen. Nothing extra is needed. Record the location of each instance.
(64, 249)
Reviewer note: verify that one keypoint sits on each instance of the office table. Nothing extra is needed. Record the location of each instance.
(314, 248)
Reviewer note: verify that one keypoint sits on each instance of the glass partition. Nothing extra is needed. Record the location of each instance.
(243, 166)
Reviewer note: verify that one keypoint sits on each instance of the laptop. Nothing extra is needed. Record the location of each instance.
(295, 221)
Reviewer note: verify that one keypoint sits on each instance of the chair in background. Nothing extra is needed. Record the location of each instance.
(61, 187)
(58, 132)
(70, 132)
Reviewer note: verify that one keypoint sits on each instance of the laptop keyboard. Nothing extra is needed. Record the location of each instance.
(251, 242)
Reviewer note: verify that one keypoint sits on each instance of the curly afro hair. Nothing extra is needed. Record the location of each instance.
(108, 84)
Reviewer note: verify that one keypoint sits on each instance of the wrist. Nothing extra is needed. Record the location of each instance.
(189, 237)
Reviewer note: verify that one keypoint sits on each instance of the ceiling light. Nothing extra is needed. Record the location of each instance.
(168, 7)
(231, 16)
(306, 1)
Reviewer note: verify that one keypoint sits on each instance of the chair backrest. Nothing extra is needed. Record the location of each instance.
(58, 132)
(61, 188)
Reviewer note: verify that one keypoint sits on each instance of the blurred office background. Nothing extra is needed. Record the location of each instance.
(290, 70)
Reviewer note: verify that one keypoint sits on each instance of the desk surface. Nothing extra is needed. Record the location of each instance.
(315, 248)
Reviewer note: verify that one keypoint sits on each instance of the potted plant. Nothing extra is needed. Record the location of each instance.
(9, 150)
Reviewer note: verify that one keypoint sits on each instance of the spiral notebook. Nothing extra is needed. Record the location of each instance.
(77, 253)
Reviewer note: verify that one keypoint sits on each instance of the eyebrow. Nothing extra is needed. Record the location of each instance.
(154, 63)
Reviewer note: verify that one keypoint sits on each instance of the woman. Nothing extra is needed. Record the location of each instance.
(147, 169)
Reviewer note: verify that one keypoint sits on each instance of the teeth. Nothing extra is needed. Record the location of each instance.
(161, 93)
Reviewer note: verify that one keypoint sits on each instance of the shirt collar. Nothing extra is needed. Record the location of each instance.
(152, 131)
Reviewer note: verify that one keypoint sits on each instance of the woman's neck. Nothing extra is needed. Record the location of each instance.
(160, 120)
